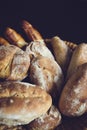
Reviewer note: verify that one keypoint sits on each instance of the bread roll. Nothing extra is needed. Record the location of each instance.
(46, 73)
(73, 100)
(4, 42)
(14, 63)
(38, 48)
(48, 121)
(15, 38)
(79, 57)
(61, 52)
(20, 103)
(30, 31)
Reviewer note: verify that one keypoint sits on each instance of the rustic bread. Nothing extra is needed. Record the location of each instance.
(61, 52)
(73, 100)
(32, 33)
(79, 57)
(20, 103)
(38, 48)
(48, 121)
(46, 73)
(14, 63)
(15, 38)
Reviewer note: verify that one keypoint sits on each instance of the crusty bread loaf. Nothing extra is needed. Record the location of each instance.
(14, 38)
(38, 48)
(14, 63)
(48, 121)
(79, 57)
(46, 73)
(32, 33)
(61, 52)
(20, 103)
(73, 100)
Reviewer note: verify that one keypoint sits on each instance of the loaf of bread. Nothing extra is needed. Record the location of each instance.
(15, 38)
(73, 99)
(14, 63)
(48, 121)
(20, 103)
(47, 73)
(32, 33)
(79, 57)
(38, 48)
(4, 41)
(61, 52)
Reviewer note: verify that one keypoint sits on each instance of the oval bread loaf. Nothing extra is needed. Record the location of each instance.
(73, 100)
(14, 63)
(20, 103)
(48, 74)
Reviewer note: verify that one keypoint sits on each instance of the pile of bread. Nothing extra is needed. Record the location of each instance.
(38, 84)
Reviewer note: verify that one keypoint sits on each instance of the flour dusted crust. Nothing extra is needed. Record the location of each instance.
(6, 56)
(61, 52)
(48, 121)
(4, 127)
(73, 100)
(79, 57)
(38, 48)
(19, 66)
(46, 73)
(20, 103)
(14, 63)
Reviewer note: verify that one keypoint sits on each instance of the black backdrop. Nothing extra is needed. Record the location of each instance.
(65, 18)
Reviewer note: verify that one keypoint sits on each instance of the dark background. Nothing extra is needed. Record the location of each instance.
(65, 18)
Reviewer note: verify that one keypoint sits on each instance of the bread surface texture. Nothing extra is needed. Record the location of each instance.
(20, 103)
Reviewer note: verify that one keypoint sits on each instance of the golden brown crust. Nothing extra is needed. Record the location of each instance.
(3, 41)
(30, 31)
(6, 56)
(73, 100)
(14, 38)
(47, 73)
(79, 57)
(48, 121)
(14, 63)
(20, 103)
(71, 45)
(61, 52)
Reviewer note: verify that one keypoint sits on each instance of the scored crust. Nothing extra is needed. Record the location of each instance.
(20, 103)
(14, 63)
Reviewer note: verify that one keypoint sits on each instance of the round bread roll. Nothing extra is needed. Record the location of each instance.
(46, 73)
(20, 103)
(38, 48)
(73, 100)
(48, 121)
(14, 63)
